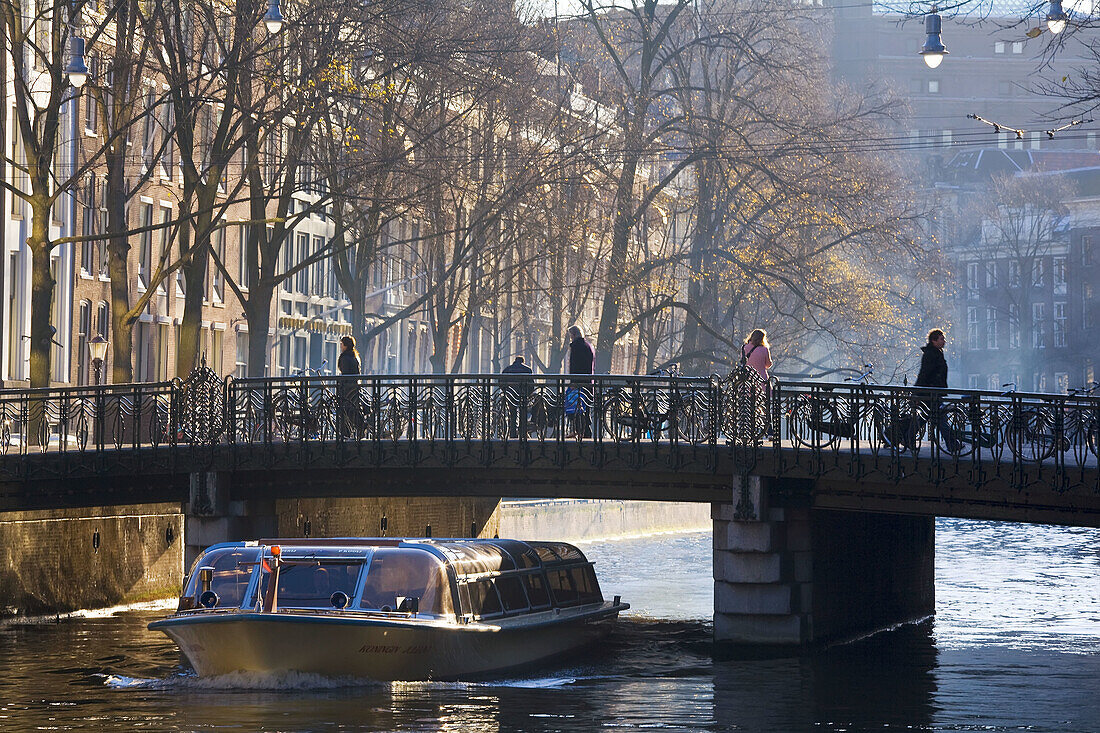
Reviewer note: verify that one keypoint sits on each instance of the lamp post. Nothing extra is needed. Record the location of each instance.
(933, 49)
(273, 18)
(1056, 18)
(77, 70)
(97, 348)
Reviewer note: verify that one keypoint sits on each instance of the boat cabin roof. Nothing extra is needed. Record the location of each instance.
(443, 577)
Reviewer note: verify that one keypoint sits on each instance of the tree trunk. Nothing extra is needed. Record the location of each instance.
(194, 271)
(258, 313)
(118, 252)
(42, 293)
(616, 276)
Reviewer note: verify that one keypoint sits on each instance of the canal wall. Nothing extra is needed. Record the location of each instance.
(58, 561)
(575, 520)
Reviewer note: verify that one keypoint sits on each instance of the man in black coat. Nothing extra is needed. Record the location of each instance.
(933, 365)
(582, 358)
(517, 392)
(933, 373)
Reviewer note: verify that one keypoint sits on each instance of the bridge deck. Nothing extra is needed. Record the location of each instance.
(973, 454)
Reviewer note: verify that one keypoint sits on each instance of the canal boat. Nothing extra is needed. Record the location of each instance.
(387, 609)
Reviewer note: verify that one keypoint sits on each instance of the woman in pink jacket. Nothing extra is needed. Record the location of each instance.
(756, 352)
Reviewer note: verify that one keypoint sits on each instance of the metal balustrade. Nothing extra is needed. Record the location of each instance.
(806, 429)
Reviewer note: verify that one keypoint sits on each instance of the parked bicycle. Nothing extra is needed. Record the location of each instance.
(818, 420)
(640, 410)
(1039, 428)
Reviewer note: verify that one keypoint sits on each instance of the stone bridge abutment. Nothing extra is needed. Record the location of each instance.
(787, 574)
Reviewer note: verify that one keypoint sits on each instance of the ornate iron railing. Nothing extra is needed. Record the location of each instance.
(786, 428)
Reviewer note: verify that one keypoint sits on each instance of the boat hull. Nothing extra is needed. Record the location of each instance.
(379, 648)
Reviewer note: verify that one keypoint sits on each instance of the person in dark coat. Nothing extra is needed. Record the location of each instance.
(582, 359)
(582, 356)
(347, 390)
(933, 364)
(517, 393)
(933, 373)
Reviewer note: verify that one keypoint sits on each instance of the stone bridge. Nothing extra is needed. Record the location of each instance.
(823, 495)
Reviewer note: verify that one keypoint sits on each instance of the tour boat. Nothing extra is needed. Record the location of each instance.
(387, 609)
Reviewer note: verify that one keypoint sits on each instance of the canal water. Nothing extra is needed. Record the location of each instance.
(1015, 645)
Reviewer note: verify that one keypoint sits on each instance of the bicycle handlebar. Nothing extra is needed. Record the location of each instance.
(861, 378)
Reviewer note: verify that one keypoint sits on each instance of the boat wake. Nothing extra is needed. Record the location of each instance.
(239, 681)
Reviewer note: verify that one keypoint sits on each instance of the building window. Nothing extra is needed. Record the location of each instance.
(991, 328)
(1086, 306)
(1059, 325)
(145, 251)
(995, 381)
(243, 256)
(1038, 272)
(217, 280)
(998, 47)
(973, 335)
(1013, 274)
(1017, 47)
(162, 353)
(216, 338)
(991, 274)
(933, 86)
(972, 279)
(974, 381)
(84, 328)
(91, 104)
(1058, 272)
(1038, 318)
(88, 262)
(1038, 382)
(1086, 249)
(1036, 140)
(240, 370)
(1013, 327)
(1061, 382)
(103, 319)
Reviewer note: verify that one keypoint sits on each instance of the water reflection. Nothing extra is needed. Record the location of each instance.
(882, 681)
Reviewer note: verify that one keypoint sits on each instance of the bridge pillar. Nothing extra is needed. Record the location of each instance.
(211, 517)
(788, 575)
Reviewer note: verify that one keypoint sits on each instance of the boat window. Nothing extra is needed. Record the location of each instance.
(312, 585)
(511, 593)
(233, 568)
(536, 590)
(520, 552)
(473, 559)
(559, 550)
(397, 573)
(483, 599)
(574, 585)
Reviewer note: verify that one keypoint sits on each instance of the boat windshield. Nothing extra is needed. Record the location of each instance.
(396, 574)
(233, 568)
(313, 584)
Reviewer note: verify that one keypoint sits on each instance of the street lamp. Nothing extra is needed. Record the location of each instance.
(933, 49)
(97, 347)
(77, 70)
(1056, 18)
(273, 18)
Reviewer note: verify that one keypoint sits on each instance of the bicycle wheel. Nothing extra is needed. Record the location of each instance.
(952, 431)
(808, 424)
(1092, 436)
(1030, 434)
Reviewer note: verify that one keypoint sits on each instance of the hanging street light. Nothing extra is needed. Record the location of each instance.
(1056, 18)
(77, 70)
(273, 18)
(933, 49)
